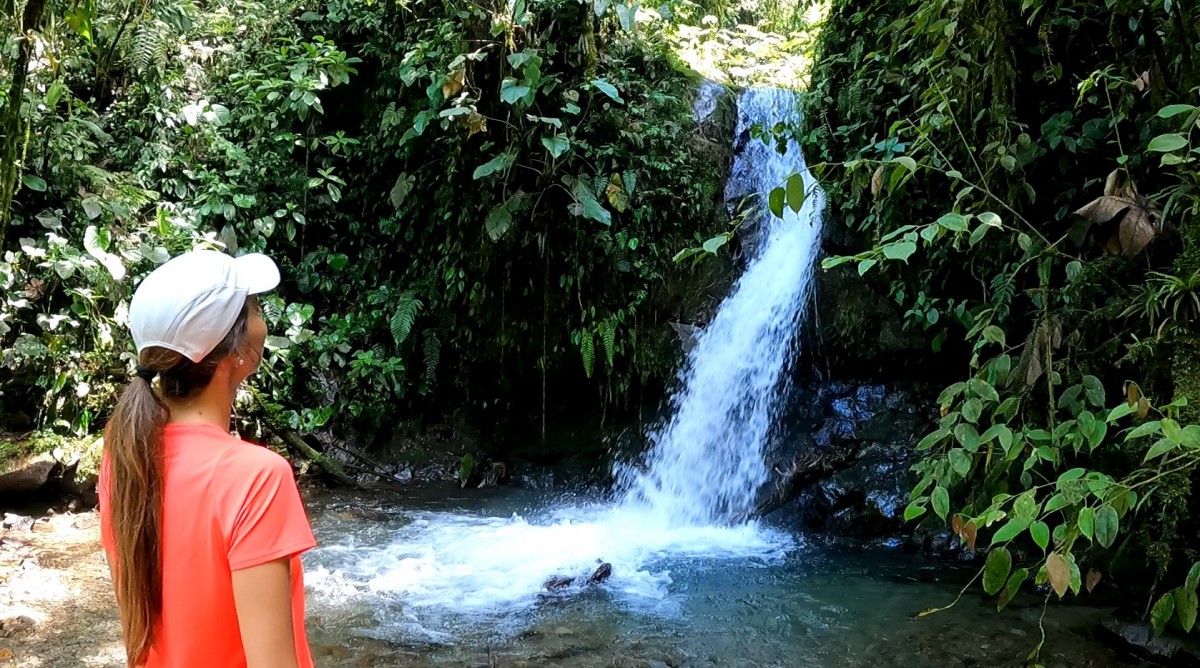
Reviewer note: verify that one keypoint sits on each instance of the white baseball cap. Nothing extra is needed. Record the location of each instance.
(192, 301)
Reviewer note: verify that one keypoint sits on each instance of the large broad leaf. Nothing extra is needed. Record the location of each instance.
(557, 145)
(496, 164)
(627, 14)
(401, 189)
(996, 570)
(1015, 581)
(900, 250)
(511, 91)
(498, 222)
(608, 89)
(34, 182)
(1133, 219)
(1167, 143)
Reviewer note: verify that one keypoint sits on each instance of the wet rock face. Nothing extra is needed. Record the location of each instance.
(1138, 638)
(880, 425)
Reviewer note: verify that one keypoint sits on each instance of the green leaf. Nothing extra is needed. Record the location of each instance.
(556, 145)
(1143, 429)
(1163, 446)
(913, 511)
(955, 222)
(1106, 526)
(960, 461)
(1172, 430)
(1193, 577)
(714, 244)
(1172, 110)
(996, 570)
(1167, 143)
(1185, 608)
(941, 501)
(977, 234)
(795, 194)
(403, 186)
(865, 266)
(1015, 581)
(1094, 391)
(1026, 507)
(511, 91)
(775, 201)
(496, 164)
(1011, 529)
(1073, 474)
(983, 390)
(498, 222)
(1087, 522)
(909, 163)
(900, 250)
(971, 410)
(1161, 614)
(1041, 534)
(990, 219)
(34, 182)
(608, 89)
(967, 436)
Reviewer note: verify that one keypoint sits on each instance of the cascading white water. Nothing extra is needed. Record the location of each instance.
(706, 464)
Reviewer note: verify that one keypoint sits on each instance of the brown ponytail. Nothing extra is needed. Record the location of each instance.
(133, 444)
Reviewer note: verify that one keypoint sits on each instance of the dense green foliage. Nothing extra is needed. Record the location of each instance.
(1024, 180)
(474, 205)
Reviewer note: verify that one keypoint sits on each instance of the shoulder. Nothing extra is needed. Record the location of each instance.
(248, 462)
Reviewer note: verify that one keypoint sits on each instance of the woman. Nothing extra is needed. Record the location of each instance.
(203, 531)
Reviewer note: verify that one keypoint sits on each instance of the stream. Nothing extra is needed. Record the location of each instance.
(438, 576)
(459, 578)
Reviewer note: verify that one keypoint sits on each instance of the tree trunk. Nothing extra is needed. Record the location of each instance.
(13, 125)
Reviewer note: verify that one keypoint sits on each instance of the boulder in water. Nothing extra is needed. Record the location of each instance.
(561, 582)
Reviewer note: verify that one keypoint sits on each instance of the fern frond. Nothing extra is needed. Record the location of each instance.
(608, 334)
(587, 349)
(146, 49)
(433, 355)
(405, 316)
(630, 179)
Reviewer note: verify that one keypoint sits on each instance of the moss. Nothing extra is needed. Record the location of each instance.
(87, 450)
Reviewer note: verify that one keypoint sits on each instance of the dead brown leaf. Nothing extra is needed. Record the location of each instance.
(1059, 573)
(1093, 579)
(1133, 220)
(1131, 393)
(877, 181)
(970, 533)
(454, 84)
(1143, 407)
(475, 122)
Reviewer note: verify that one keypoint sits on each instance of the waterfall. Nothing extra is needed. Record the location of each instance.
(705, 465)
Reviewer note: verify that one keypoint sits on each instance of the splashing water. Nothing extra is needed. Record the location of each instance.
(703, 467)
(706, 465)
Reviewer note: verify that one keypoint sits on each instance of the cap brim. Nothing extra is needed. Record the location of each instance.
(255, 273)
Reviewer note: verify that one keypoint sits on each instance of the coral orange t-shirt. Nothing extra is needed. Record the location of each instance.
(227, 505)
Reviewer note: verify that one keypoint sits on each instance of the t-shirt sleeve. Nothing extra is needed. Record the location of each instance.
(270, 522)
